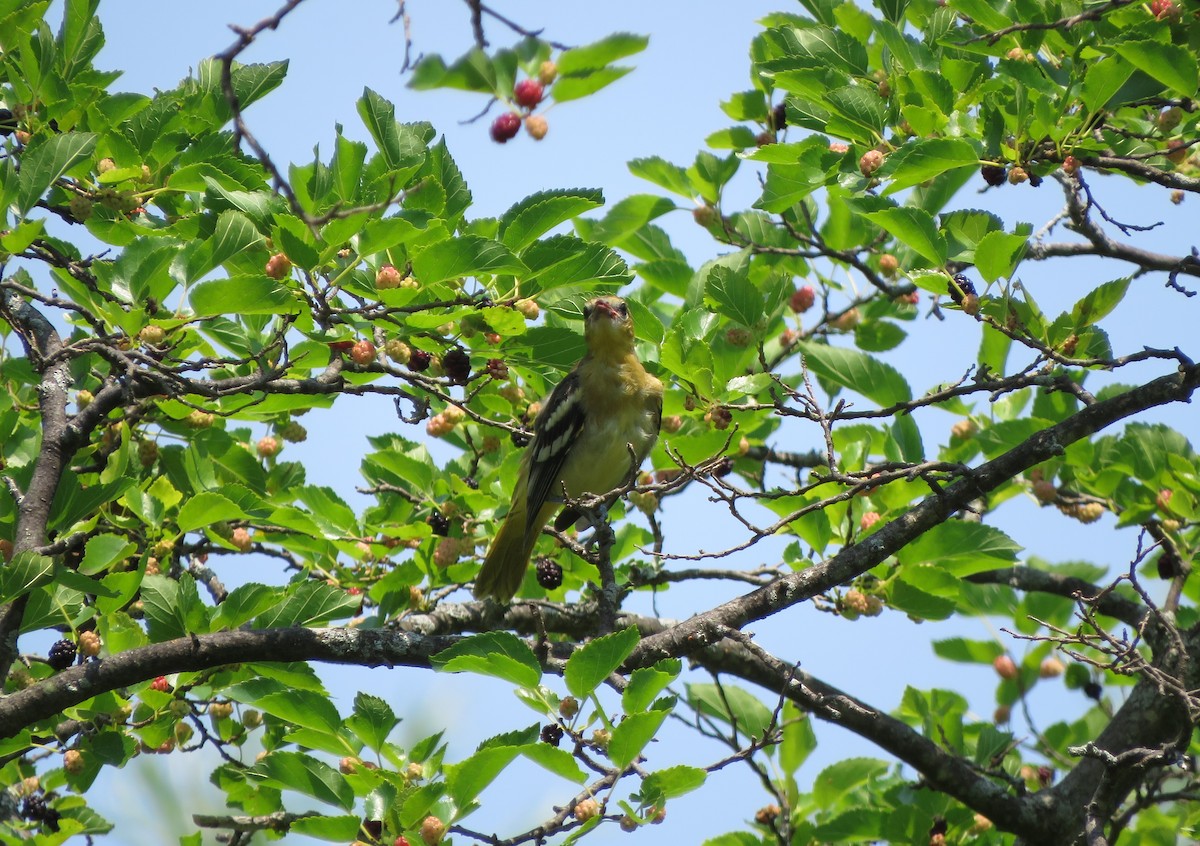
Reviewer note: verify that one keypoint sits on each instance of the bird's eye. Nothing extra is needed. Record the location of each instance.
(587, 311)
(624, 309)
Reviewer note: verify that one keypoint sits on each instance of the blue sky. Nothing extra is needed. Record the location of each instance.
(697, 57)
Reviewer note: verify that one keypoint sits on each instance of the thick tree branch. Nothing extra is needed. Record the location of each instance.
(941, 768)
(42, 343)
(1030, 579)
(1141, 170)
(709, 627)
(201, 652)
(1150, 718)
(1078, 208)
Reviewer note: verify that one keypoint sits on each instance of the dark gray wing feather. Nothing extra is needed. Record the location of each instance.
(554, 430)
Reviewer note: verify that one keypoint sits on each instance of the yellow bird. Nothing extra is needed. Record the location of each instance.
(581, 441)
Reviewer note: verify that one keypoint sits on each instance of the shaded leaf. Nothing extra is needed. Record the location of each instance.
(469, 255)
(304, 774)
(257, 294)
(1171, 64)
(915, 163)
(48, 157)
(915, 229)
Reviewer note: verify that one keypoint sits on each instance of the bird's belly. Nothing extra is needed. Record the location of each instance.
(602, 459)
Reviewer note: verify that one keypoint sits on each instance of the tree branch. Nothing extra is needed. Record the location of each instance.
(1029, 579)
(42, 343)
(709, 627)
(373, 648)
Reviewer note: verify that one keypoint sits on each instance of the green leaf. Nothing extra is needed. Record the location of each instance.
(675, 781)
(923, 160)
(18, 240)
(466, 780)
(961, 548)
(592, 663)
(982, 12)
(859, 114)
(498, 654)
(137, 270)
(234, 233)
(857, 371)
(304, 708)
(173, 608)
(250, 294)
(709, 174)
(564, 260)
(293, 237)
(645, 683)
(628, 216)
(731, 704)
(372, 721)
(471, 72)
(878, 336)
(252, 82)
(243, 604)
(604, 52)
(664, 174)
(998, 253)
(857, 825)
(304, 774)
(1103, 79)
(77, 581)
(536, 215)
(206, 508)
(102, 551)
(400, 145)
(379, 235)
(24, 573)
(915, 229)
(309, 604)
(799, 740)
(1171, 64)
(558, 761)
(469, 255)
(48, 157)
(74, 502)
(907, 597)
(965, 228)
(968, 651)
(823, 46)
(734, 838)
(734, 294)
(631, 735)
(339, 829)
(788, 184)
(751, 385)
(834, 782)
(733, 138)
(1099, 302)
(346, 168)
(584, 84)
(259, 205)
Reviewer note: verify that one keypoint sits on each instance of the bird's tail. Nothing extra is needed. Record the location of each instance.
(504, 567)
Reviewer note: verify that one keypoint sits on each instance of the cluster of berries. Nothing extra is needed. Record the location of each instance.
(527, 94)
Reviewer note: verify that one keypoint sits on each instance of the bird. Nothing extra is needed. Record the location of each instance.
(605, 411)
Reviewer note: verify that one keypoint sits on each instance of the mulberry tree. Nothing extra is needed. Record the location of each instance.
(861, 390)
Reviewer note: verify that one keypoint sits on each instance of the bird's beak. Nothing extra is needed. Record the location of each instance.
(605, 307)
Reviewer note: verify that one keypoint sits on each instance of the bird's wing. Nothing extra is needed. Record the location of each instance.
(554, 433)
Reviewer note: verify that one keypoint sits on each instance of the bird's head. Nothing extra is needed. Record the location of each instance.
(607, 325)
